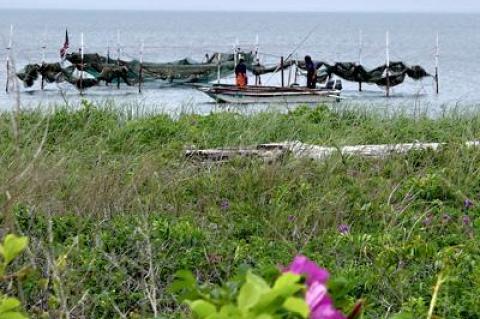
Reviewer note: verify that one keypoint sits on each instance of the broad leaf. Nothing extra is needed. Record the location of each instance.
(202, 308)
(12, 315)
(249, 296)
(298, 306)
(258, 282)
(8, 304)
(287, 284)
(13, 246)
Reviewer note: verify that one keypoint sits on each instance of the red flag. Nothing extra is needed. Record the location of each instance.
(66, 45)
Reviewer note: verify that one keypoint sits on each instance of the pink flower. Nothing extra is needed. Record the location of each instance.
(301, 265)
(320, 303)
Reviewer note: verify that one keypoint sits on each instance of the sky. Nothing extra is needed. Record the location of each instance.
(254, 5)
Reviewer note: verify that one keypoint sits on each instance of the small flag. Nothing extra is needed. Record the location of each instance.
(66, 45)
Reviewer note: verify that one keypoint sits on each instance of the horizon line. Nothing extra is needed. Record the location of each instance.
(247, 10)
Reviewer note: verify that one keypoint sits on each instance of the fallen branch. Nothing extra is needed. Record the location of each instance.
(275, 151)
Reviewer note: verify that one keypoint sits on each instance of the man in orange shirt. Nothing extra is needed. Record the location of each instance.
(241, 78)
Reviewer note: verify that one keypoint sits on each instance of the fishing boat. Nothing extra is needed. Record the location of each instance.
(251, 94)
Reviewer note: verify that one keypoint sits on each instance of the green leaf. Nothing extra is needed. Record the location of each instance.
(298, 306)
(249, 296)
(8, 304)
(230, 311)
(287, 285)
(12, 315)
(258, 282)
(286, 279)
(13, 246)
(184, 285)
(264, 316)
(202, 308)
(186, 277)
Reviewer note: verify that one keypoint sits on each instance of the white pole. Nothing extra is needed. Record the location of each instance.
(388, 63)
(82, 48)
(219, 69)
(108, 51)
(9, 48)
(257, 48)
(140, 73)
(44, 47)
(360, 49)
(119, 53)
(437, 63)
(119, 50)
(235, 54)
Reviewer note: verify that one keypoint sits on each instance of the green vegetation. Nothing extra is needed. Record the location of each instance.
(113, 209)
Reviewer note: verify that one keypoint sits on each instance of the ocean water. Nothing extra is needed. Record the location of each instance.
(327, 37)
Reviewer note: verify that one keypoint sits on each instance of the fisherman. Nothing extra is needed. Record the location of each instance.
(241, 78)
(311, 73)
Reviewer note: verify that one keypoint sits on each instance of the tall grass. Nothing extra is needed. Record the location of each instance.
(113, 208)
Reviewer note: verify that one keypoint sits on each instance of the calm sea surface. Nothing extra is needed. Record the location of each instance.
(174, 35)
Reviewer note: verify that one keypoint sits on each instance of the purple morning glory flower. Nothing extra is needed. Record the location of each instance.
(344, 229)
(466, 220)
(301, 265)
(321, 304)
(224, 205)
(467, 203)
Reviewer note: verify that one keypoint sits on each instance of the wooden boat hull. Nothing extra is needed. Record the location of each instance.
(269, 94)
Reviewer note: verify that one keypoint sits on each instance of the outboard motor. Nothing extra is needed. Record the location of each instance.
(338, 85)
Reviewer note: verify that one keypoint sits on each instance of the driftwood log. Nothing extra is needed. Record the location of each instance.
(275, 151)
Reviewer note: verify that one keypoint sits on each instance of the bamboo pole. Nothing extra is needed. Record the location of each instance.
(360, 49)
(387, 70)
(82, 48)
(219, 67)
(140, 72)
(44, 47)
(9, 48)
(281, 67)
(437, 62)
(108, 51)
(295, 77)
(257, 58)
(119, 53)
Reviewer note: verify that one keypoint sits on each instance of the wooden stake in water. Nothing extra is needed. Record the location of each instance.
(387, 70)
(360, 49)
(257, 58)
(9, 48)
(437, 62)
(82, 47)
(119, 53)
(235, 61)
(108, 51)
(140, 72)
(281, 67)
(44, 47)
(219, 69)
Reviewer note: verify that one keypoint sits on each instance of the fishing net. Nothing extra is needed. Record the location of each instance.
(354, 72)
(97, 69)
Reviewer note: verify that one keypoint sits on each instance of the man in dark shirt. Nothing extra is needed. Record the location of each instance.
(311, 73)
(241, 78)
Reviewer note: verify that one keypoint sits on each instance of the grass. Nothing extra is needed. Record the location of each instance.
(113, 209)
